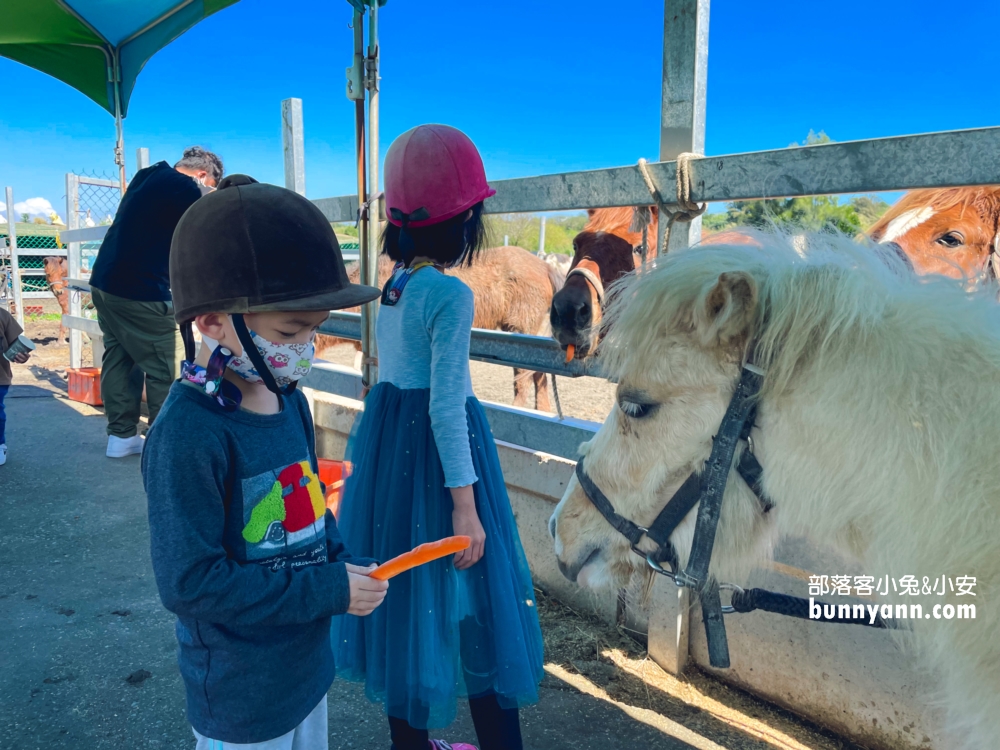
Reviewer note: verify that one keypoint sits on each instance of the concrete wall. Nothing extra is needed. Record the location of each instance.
(851, 679)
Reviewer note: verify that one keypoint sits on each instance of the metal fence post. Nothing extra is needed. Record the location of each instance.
(682, 129)
(141, 158)
(293, 142)
(682, 114)
(369, 255)
(541, 238)
(73, 261)
(15, 273)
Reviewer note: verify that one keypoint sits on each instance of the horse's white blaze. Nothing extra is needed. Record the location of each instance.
(905, 222)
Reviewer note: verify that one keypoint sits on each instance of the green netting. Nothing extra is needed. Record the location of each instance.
(34, 242)
(30, 262)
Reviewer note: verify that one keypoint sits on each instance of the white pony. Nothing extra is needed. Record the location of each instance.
(877, 427)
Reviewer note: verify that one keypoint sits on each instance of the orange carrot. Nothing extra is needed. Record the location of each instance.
(420, 555)
(570, 351)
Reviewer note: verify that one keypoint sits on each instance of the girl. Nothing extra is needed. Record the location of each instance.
(426, 467)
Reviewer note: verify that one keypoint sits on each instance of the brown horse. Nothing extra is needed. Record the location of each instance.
(952, 231)
(606, 250)
(513, 290)
(56, 272)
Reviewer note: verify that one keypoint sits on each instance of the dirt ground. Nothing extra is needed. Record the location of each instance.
(50, 352)
(581, 398)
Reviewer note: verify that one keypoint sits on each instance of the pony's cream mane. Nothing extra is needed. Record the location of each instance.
(985, 201)
(834, 296)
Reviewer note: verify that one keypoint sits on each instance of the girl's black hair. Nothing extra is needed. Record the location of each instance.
(450, 243)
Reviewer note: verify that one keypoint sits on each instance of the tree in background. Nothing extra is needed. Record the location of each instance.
(813, 214)
(522, 230)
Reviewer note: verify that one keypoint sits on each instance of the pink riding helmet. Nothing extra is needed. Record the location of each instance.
(432, 173)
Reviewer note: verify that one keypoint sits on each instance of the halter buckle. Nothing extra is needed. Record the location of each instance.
(727, 609)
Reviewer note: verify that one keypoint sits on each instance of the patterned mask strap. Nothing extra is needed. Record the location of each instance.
(212, 380)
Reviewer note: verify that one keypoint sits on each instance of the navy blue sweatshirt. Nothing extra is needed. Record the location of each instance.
(134, 261)
(248, 558)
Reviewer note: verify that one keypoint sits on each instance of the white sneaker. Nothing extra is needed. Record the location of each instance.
(121, 447)
(3, 454)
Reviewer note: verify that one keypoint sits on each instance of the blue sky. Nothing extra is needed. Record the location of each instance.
(540, 86)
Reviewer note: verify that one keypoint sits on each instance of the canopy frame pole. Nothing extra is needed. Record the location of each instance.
(116, 77)
(369, 249)
(356, 92)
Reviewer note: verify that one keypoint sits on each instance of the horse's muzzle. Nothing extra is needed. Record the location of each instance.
(572, 572)
(571, 317)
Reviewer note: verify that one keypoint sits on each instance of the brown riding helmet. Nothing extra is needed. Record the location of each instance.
(250, 247)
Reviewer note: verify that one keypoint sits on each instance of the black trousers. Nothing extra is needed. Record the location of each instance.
(496, 728)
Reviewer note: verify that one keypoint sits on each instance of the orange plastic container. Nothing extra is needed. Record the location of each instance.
(85, 385)
(332, 474)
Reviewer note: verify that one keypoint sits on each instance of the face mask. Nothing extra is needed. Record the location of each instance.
(286, 362)
(205, 189)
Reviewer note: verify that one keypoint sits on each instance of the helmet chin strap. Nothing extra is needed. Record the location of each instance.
(187, 336)
(250, 351)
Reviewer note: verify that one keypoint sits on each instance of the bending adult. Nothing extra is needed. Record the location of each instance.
(131, 291)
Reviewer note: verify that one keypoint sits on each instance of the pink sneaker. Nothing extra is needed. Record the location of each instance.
(442, 745)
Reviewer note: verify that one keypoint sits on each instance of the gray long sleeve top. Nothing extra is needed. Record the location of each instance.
(423, 342)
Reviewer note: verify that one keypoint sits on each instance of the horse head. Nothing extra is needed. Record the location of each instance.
(599, 259)
(675, 337)
(952, 232)
(55, 269)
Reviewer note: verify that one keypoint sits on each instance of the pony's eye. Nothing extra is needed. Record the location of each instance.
(636, 410)
(952, 240)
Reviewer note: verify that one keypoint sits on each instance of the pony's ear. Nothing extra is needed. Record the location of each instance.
(726, 309)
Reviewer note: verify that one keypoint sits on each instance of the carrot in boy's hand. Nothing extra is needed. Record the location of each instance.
(420, 555)
(570, 351)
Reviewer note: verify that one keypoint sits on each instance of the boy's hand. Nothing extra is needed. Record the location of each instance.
(21, 358)
(366, 593)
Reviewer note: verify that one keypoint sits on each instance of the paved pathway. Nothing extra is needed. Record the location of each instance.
(88, 652)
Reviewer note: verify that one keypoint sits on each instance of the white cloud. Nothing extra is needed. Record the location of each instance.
(34, 207)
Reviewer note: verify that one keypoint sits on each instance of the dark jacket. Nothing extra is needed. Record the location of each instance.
(134, 259)
(248, 557)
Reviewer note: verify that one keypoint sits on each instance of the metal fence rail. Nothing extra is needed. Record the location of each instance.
(493, 347)
(947, 159)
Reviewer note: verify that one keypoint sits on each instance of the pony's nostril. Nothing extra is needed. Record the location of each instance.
(583, 313)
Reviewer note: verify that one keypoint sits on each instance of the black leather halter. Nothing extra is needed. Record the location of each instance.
(705, 490)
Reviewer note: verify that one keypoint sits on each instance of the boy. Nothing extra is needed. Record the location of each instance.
(9, 331)
(244, 551)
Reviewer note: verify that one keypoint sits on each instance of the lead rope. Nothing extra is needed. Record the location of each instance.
(683, 209)
(555, 392)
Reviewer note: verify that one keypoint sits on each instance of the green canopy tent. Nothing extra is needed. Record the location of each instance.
(97, 46)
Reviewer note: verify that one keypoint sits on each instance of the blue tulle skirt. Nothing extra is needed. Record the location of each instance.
(441, 633)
